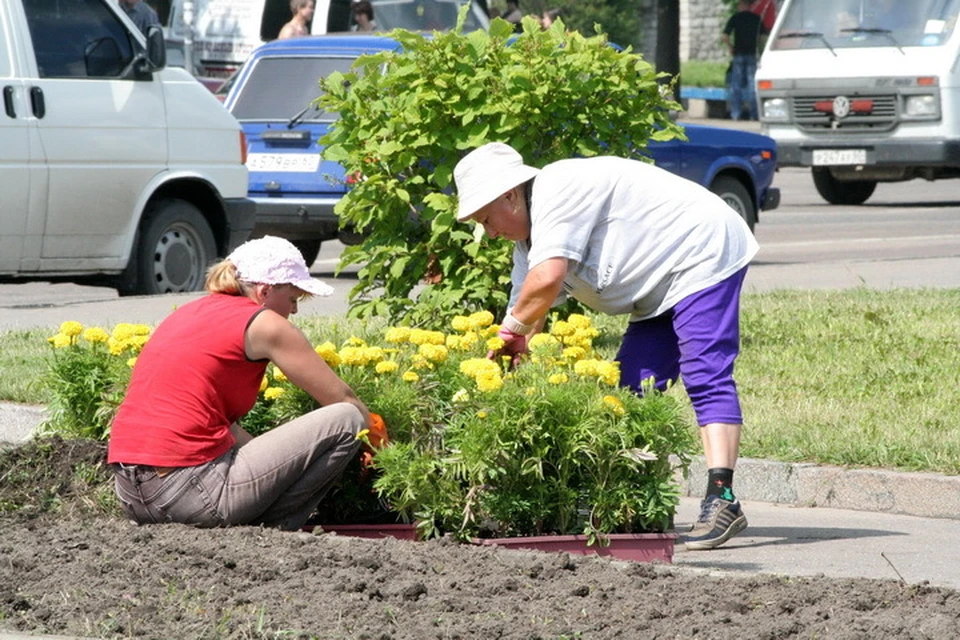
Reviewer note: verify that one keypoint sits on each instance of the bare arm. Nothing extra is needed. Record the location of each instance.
(540, 288)
(272, 336)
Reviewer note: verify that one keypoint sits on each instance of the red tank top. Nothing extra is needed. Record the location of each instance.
(190, 383)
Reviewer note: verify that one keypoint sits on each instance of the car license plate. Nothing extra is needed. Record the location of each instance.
(839, 156)
(288, 162)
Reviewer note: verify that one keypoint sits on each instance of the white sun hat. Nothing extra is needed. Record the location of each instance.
(485, 174)
(272, 260)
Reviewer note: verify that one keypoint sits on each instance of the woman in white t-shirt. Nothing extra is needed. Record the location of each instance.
(626, 237)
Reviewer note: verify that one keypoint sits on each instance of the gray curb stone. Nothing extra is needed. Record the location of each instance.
(928, 495)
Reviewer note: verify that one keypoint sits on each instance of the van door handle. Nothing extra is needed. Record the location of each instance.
(37, 102)
(8, 101)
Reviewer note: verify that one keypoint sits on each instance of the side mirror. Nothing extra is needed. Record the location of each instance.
(156, 48)
(102, 59)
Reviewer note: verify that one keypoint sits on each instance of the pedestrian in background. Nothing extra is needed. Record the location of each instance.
(626, 237)
(744, 26)
(141, 13)
(299, 24)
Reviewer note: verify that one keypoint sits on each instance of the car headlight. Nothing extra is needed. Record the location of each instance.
(775, 109)
(924, 105)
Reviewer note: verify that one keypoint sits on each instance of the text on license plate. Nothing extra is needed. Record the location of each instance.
(292, 162)
(839, 156)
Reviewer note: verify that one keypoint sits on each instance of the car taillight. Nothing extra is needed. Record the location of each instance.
(243, 148)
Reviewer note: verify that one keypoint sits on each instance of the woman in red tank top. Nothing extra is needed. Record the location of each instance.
(178, 451)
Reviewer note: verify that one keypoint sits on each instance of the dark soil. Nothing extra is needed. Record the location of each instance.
(69, 565)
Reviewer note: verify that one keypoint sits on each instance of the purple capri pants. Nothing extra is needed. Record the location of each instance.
(698, 339)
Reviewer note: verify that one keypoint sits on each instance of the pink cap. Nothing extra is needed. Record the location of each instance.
(272, 260)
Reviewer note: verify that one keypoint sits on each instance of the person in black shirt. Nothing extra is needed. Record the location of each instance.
(745, 27)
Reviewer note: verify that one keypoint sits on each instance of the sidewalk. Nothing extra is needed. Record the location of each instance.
(804, 519)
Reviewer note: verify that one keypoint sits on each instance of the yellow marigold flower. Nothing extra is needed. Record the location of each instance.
(354, 341)
(272, 393)
(480, 319)
(60, 340)
(362, 434)
(461, 396)
(495, 343)
(278, 374)
(558, 378)
(397, 335)
(328, 352)
(562, 328)
(115, 346)
(579, 321)
(95, 334)
(123, 331)
(460, 324)
(530, 392)
(433, 352)
(492, 330)
(387, 366)
(488, 382)
(476, 366)
(264, 383)
(610, 373)
(131, 361)
(614, 404)
(481, 414)
(136, 343)
(410, 376)
(574, 353)
(422, 336)
(71, 328)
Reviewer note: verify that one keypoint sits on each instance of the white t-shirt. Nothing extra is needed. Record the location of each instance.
(639, 239)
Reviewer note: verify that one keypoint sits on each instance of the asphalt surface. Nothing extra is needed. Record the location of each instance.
(804, 519)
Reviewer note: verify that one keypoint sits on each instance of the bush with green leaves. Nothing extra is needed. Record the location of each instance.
(407, 117)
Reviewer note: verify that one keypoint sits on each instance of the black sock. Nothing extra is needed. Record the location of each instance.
(720, 483)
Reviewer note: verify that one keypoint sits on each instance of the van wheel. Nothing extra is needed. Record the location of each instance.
(310, 250)
(174, 247)
(837, 192)
(737, 197)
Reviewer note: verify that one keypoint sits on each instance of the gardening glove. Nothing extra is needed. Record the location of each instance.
(514, 347)
(375, 438)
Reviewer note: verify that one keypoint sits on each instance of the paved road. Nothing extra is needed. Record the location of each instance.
(908, 235)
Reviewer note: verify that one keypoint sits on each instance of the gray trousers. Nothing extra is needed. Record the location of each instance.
(277, 479)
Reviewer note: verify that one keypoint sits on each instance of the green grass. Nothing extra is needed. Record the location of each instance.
(703, 73)
(855, 378)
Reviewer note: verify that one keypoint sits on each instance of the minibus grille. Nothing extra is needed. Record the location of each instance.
(869, 113)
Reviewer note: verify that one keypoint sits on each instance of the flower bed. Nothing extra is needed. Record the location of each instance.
(476, 450)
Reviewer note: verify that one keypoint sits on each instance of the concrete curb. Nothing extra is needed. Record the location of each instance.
(927, 495)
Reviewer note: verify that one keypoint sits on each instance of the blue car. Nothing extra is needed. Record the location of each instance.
(295, 190)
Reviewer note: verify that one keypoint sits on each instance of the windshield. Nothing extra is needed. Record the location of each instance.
(842, 24)
(422, 15)
(279, 88)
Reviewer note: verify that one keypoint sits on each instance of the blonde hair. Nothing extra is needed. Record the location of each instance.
(222, 278)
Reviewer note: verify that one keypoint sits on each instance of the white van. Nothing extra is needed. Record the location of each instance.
(225, 32)
(863, 91)
(111, 166)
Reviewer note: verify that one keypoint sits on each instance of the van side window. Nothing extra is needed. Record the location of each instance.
(77, 39)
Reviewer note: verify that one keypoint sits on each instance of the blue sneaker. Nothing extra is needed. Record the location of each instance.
(719, 521)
